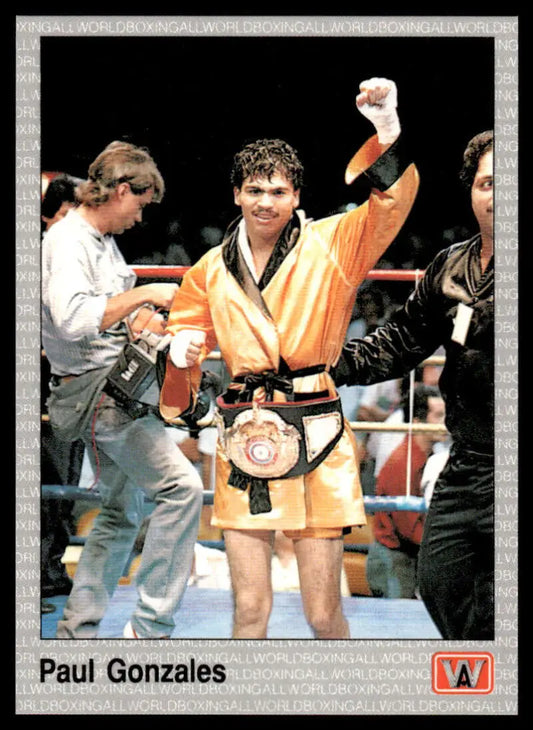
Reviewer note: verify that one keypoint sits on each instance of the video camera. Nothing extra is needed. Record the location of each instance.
(135, 368)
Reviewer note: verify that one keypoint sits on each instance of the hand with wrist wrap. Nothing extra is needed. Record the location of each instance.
(377, 101)
(185, 347)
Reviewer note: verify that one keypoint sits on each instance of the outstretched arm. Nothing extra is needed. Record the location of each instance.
(412, 334)
(123, 304)
(365, 233)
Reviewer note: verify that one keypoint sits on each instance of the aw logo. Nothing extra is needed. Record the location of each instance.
(463, 673)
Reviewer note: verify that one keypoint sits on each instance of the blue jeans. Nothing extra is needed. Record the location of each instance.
(136, 458)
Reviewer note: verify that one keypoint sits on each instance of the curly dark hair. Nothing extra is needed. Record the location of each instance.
(62, 189)
(265, 158)
(422, 393)
(474, 151)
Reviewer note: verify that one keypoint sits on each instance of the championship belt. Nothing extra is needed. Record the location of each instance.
(278, 440)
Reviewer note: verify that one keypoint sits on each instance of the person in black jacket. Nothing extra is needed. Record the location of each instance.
(453, 307)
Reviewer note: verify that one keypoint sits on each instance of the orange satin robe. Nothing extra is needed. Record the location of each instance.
(310, 298)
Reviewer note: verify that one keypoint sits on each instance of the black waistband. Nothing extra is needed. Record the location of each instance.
(272, 380)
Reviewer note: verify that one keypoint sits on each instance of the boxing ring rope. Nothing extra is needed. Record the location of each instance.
(433, 360)
(371, 426)
(373, 504)
(146, 271)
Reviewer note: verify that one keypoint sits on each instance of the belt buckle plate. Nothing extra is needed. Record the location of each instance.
(261, 443)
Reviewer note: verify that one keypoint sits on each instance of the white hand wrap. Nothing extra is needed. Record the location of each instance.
(179, 344)
(383, 115)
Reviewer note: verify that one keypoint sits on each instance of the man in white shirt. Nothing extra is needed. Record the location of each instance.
(89, 307)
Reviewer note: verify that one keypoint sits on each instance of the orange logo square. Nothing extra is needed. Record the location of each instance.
(463, 672)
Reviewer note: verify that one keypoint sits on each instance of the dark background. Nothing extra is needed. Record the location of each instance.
(195, 101)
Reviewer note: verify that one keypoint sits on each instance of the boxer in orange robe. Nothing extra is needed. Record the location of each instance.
(276, 296)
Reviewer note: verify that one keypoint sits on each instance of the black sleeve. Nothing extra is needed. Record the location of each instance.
(412, 334)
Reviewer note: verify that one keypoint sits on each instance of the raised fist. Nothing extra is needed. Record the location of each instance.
(377, 101)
